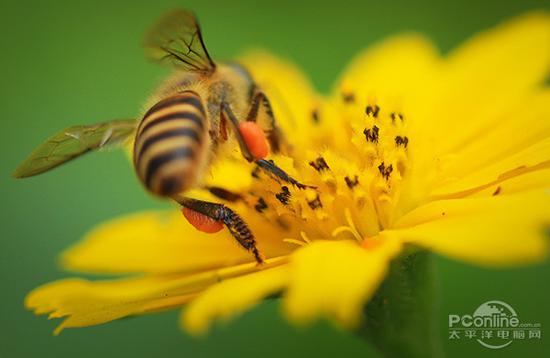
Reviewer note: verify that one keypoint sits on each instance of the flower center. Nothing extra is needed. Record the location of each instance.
(356, 164)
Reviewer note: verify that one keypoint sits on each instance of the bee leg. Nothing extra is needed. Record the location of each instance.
(272, 168)
(275, 134)
(267, 165)
(234, 223)
(224, 194)
(228, 114)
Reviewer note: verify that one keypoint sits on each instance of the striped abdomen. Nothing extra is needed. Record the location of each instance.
(170, 142)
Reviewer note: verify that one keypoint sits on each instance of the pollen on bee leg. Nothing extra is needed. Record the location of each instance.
(201, 222)
(255, 139)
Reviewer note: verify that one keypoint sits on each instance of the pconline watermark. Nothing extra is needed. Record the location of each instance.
(494, 324)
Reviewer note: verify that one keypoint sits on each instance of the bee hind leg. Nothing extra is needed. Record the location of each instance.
(234, 223)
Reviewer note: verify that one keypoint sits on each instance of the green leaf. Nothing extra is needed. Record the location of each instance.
(401, 318)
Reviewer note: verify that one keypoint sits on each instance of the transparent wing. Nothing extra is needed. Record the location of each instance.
(176, 38)
(73, 142)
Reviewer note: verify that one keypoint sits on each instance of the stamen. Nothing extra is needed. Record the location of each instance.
(348, 97)
(315, 203)
(399, 140)
(319, 164)
(261, 205)
(371, 135)
(304, 242)
(352, 183)
(394, 116)
(351, 224)
(295, 242)
(386, 172)
(304, 237)
(284, 195)
(349, 228)
(315, 115)
(372, 110)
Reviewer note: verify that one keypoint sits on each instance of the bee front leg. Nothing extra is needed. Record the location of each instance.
(234, 223)
(227, 112)
(267, 165)
(275, 135)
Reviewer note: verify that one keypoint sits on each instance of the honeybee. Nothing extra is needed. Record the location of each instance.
(189, 117)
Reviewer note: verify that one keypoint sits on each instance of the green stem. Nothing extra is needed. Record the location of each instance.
(401, 318)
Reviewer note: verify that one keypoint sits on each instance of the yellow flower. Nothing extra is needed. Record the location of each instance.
(412, 149)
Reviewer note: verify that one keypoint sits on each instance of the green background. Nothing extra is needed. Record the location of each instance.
(70, 62)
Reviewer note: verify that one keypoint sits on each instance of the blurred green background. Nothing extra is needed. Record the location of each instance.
(69, 62)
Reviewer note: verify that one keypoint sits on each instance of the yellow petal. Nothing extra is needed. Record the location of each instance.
(164, 242)
(499, 230)
(528, 181)
(489, 75)
(85, 303)
(231, 297)
(334, 279)
(90, 303)
(508, 58)
(392, 70)
(521, 139)
(473, 112)
(534, 158)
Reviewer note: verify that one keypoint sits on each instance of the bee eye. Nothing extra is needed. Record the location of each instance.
(255, 139)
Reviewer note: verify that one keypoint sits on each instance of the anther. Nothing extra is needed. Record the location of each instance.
(348, 97)
(385, 171)
(261, 205)
(315, 203)
(371, 135)
(319, 164)
(315, 115)
(284, 195)
(399, 140)
(372, 110)
(352, 183)
(395, 116)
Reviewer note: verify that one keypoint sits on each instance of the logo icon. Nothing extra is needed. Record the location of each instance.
(494, 324)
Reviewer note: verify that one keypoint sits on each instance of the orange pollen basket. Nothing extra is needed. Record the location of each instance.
(202, 222)
(255, 139)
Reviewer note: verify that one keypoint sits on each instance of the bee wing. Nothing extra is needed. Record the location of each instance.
(73, 142)
(176, 38)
